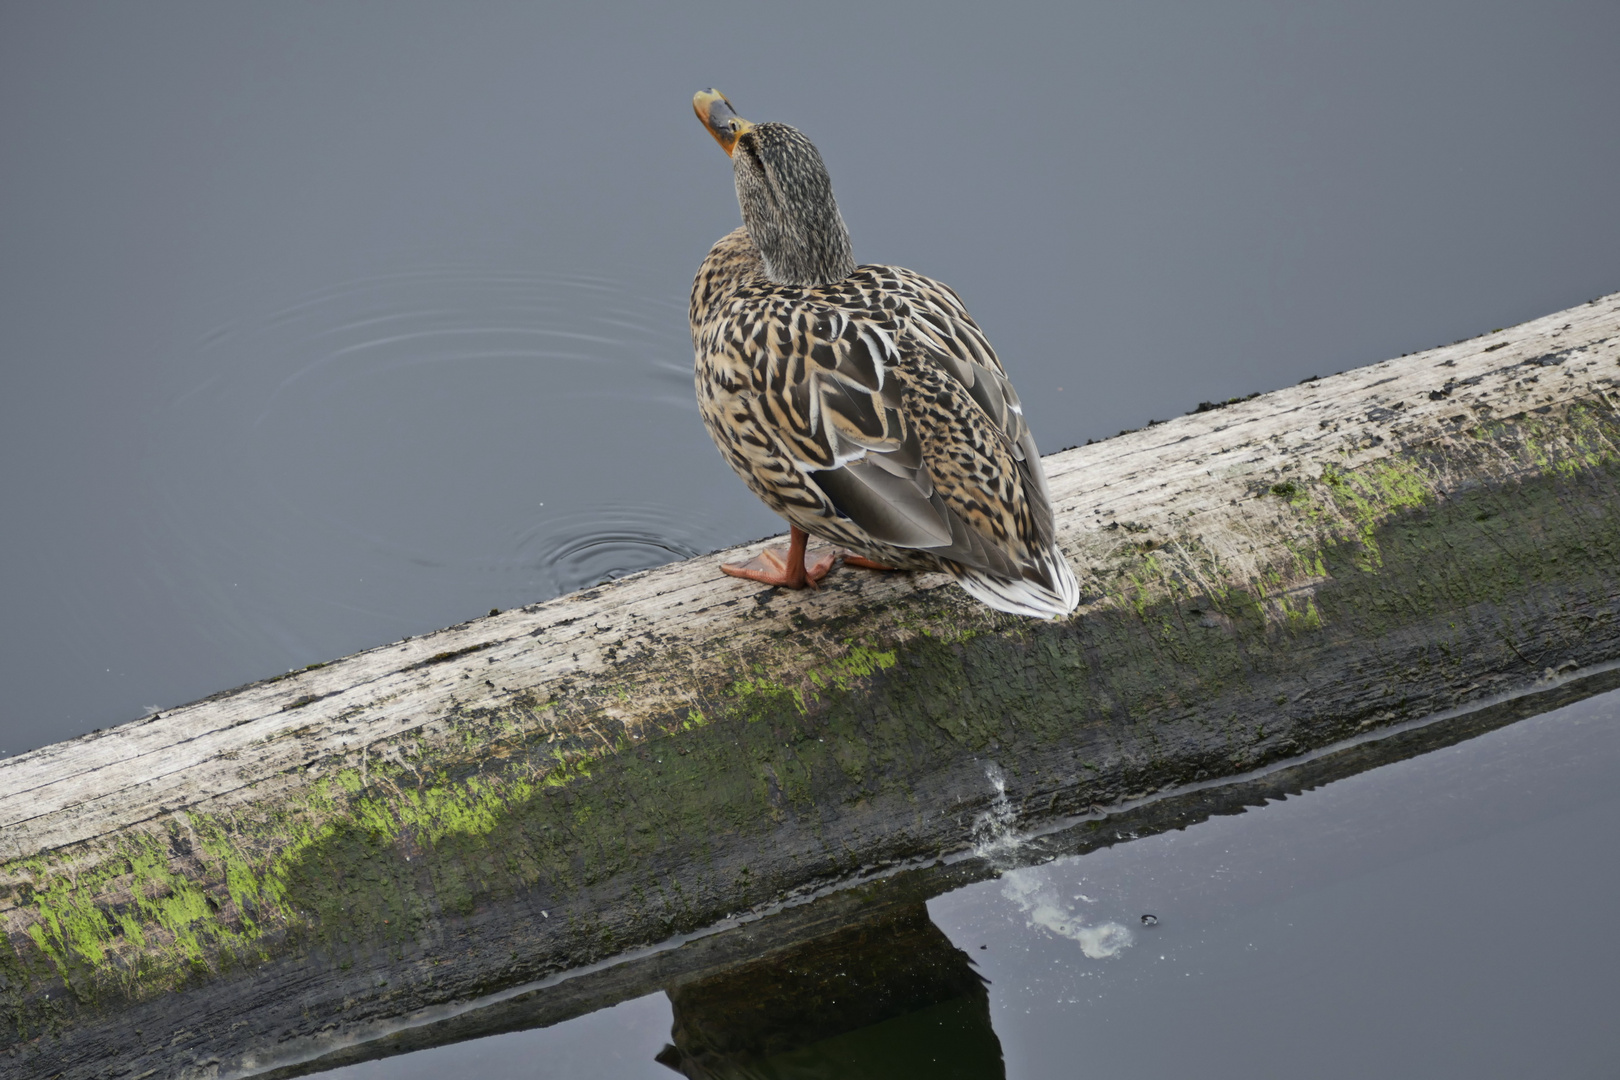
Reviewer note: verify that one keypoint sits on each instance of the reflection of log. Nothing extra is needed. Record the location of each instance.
(887, 997)
(311, 860)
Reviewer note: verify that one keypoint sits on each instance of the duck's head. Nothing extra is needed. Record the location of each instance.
(785, 194)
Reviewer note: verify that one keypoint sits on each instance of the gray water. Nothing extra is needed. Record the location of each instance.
(323, 325)
(326, 324)
(1448, 916)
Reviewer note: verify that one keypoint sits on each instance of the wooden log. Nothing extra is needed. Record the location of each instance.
(281, 873)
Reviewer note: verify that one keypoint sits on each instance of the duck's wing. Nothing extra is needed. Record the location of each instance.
(824, 382)
(945, 336)
(894, 406)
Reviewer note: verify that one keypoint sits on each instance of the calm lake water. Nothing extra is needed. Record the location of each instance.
(324, 325)
(1448, 916)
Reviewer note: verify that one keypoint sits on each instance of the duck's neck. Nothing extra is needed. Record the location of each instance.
(801, 237)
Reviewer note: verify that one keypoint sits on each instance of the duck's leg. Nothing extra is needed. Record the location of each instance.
(852, 559)
(785, 567)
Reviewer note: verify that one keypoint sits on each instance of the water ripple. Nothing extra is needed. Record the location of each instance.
(401, 450)
(600, 543)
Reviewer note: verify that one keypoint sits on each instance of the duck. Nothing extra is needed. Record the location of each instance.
(862, 403)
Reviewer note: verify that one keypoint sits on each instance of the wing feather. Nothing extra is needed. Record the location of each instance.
(891, 509)
(898, 390)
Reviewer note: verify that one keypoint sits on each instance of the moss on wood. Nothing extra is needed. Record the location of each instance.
(367, 860)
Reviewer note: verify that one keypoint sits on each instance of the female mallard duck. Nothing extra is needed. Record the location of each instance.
(862, 403)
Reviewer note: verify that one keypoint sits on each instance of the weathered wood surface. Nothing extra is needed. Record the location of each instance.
(747, 945)
(305, 860)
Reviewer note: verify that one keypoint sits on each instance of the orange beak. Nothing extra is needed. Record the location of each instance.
(719, 118)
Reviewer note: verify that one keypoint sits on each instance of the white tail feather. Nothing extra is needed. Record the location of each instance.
(1021, 596)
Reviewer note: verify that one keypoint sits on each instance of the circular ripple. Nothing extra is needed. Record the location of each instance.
(402, 451)
(601, 543)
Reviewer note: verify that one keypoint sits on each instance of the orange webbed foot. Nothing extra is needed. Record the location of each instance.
(775, 566)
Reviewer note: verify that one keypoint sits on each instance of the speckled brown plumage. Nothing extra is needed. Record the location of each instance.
(869, 409)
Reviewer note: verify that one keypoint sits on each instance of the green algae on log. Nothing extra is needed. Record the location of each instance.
(297, 865)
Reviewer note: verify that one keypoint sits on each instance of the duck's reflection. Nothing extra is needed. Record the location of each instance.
(890, 997)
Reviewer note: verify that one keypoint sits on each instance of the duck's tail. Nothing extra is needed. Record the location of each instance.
(1046, 590)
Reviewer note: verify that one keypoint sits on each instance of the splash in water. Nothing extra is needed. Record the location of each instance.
(995, 839)
(1039, 902)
